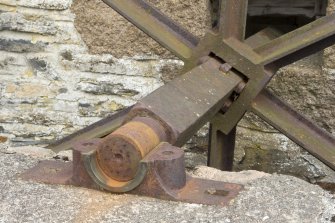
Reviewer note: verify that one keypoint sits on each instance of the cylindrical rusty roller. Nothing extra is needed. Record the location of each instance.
(120, 153)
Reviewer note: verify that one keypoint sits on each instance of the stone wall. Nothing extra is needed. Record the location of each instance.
(52, 84)
(64, 65)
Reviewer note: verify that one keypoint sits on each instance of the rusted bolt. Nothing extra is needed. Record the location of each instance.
(225, 67)
(120, 153)
(239, 88)
(226, 105)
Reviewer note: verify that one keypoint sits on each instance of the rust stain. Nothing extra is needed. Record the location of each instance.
(3, 139)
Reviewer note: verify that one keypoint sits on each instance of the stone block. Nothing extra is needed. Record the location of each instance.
(329, 53)
(28, 90)
(3, 139)
(146, 66)
(101, 88)
(309, 90)
(45, 4)
(65, 106)
(38, 64)
(44, 67)
(98, 109)
(274, 153)
(329, 58)
(21, 45)
(18, 22)
(331, 6)
(103, 64)
(10, 60)
(31, 134)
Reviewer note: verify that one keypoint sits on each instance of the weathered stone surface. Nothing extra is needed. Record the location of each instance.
(274, 153)
(41, 4)
(195, 157)
(21, 46)
(98, 109)
(27, 90)
(92, 63)
(169, 71)
(143, 66)
(243, 177)
(331, 6)
(102, 28)
(34, 118)
(28, 134)
(65, 106)
(10, 61)
(329, 58)
(275, 198)
(309, 90)
(3, 139)
(38, 64)
(93, 87)
(265, 150)
(18, 22)
(43, 67)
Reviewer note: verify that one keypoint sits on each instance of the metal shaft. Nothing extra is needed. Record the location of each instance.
(120, 153)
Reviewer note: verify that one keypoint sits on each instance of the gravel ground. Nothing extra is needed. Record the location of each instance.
(267, 198)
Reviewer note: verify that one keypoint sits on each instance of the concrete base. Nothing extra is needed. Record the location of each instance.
(267, 198)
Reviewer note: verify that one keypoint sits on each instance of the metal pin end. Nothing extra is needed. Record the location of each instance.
(225, 67)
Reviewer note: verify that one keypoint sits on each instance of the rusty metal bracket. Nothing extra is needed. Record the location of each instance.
(161, 175)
